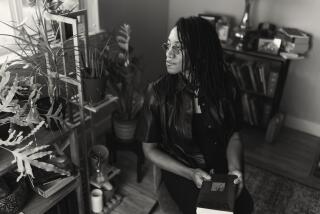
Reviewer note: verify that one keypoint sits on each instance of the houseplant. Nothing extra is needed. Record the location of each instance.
(42, 59)
(95, 74)
(124, 80)
(22, 115)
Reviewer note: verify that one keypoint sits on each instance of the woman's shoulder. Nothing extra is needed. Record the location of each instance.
(160, 86)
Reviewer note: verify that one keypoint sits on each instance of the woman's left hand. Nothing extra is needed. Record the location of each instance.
(238, 180)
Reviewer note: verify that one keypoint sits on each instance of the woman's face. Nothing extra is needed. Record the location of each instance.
(174, 53)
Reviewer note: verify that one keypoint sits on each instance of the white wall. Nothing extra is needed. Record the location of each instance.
(301, 98)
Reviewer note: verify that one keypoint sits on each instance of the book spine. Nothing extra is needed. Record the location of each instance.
(272, 83)
(252, 77)
(266, 114)
(262, 75)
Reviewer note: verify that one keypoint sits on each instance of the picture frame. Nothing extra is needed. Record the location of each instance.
(222, 24)
(270, 46)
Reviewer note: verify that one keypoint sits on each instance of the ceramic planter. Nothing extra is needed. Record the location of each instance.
(124, 129)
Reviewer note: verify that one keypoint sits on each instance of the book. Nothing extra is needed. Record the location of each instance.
(51, 187)
(272, 83)
(267, 108)
(252, 76)
(244, 74)
(218, 195)
(262, 77)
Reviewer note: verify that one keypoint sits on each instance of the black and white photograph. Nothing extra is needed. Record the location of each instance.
(159, 107)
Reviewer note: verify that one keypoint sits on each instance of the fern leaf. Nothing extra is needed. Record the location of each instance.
(39, 155)
(33, 131)
(49, 167)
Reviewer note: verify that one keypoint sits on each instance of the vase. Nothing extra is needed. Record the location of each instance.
(242, 29)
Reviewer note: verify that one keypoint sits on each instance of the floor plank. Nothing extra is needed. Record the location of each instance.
(293, 154)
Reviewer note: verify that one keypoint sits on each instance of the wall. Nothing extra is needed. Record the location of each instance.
(148, 20)
(300, 99)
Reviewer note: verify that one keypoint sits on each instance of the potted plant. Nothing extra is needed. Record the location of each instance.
(124, 81)
(95, 74)
(23, 115)
(42, 59)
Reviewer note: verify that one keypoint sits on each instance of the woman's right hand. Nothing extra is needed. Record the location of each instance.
(198, 176)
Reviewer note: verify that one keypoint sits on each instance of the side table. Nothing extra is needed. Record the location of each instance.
(115, 144)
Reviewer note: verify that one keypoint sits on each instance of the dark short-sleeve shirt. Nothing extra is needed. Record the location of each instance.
(167, 119)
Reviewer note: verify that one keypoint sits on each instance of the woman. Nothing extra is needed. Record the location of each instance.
(191, 116)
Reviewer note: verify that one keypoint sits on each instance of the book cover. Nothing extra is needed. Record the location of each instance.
(51, 187)
(217, 196)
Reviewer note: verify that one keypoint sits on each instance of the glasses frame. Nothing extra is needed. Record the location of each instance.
(176, 50)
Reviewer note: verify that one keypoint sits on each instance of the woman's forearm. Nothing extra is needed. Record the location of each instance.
(234, 153)
(166, 162)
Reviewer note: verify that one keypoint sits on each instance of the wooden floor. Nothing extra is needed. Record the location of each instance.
(292, 155)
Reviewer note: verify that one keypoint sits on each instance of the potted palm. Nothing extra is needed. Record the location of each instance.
(124, 81)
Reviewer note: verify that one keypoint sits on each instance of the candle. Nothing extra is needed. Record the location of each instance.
(96, 200)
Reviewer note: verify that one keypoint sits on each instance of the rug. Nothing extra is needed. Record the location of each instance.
(274, 194)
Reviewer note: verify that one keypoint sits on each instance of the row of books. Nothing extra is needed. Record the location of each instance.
(256, 112)
(255, 76)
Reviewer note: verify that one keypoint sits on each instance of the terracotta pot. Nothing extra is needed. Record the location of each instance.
(124, 129)
(94, 89)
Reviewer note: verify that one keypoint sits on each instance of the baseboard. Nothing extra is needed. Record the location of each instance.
(303, 125)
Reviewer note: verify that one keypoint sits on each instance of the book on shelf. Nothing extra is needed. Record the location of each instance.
(262, 77)
(47, 183)
(266, 114)
(49, 188)
(272, 83)
(218, 195)
(252, 74)
(254, 111)
(244, 74)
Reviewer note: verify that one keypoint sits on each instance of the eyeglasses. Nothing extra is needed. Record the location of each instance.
(176, 49)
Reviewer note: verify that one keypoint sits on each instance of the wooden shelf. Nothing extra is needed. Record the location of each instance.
(254, 54)
(40, 205)
(42, 137)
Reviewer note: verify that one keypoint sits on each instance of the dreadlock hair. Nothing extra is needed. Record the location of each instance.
(204, 54)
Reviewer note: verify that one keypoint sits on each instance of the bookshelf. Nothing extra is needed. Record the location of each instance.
(36, 203)
(261, 78)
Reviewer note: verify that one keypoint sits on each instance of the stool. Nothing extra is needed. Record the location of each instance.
(115, 144)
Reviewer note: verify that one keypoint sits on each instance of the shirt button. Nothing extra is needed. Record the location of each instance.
(202, 104)
(215, 143)
(209, 126)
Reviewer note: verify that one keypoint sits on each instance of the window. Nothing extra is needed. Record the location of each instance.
(18, 11)
(5, 16)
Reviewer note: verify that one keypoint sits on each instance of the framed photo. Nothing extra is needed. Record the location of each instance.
(222, 24)
(270, 46)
